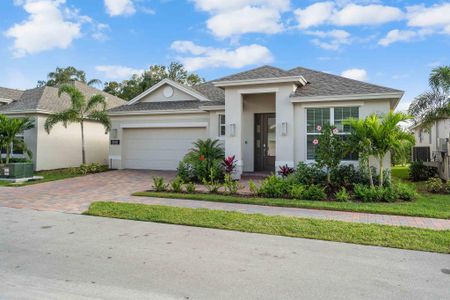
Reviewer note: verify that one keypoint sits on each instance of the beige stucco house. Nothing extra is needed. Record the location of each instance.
(432, 146)
(266, 117)
(62, 147)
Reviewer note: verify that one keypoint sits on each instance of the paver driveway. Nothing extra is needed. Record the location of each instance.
(75, 194)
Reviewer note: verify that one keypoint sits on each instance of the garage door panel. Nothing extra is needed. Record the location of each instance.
(158, 148)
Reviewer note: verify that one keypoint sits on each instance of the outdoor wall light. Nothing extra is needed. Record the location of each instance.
(284, 128)
(232, 129)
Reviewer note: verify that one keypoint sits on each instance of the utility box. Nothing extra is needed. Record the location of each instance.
(16, 170)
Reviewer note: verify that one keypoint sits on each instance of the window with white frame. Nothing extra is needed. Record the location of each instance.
(222, 125)
(316, 118)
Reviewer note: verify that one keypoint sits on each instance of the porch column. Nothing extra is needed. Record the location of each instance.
(233, 120)
(285, 138)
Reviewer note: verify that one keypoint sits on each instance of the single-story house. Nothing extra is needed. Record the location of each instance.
(266, 117)
(62, 147)
(432, 146)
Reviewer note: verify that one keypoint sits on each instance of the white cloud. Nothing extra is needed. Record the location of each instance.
(356, 74)
(397, 35)
(119, 7)
(322, 13)
(199, 57)
(116, 72)
(45, 28)
(436, 17)
(315, 14)
(330, 40)
(237, 17)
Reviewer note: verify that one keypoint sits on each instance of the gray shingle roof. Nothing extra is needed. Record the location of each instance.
(324, 84)
(10, 94)
(46, 98)
(258, 73)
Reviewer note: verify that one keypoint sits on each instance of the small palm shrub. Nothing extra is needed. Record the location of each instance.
(375, 194)
(342, 195)
(190, 188)
(274, 187)
(230, 186)
(159, 185)
(434, 185)
(315, 192)
(254, 190)
(177, 185)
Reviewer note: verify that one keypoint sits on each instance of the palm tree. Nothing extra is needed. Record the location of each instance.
(433, 105)
(360, 142)
(9, 129)
(80, 112)
(66, 75)
(386, 135)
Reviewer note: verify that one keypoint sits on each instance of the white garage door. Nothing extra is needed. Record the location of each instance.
(158, 148)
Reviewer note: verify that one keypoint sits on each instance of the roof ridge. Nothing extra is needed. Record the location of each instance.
(252, 70)
(339, 76)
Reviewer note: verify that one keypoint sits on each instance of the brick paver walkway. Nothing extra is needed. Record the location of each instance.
(74, 196)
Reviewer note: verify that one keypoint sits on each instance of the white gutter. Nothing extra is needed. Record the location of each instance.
(394, 95)
(159, 112)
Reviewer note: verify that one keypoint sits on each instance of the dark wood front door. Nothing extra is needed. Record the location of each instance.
(265, 142)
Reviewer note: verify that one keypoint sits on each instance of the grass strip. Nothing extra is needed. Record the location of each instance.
(355, 233)
(431, 206)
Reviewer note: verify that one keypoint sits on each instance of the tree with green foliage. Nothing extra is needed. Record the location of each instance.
(66, 75)
(433, 105)
(359, 141)
(138, 83)
(9, 129)
(330, 149)
(386, 136)
(80, 112)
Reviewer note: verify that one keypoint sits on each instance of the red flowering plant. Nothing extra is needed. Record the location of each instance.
(285, 171)
(229, 164)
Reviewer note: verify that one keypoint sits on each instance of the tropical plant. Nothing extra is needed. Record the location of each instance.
(9, 129)
(386, 135)
(330, 150)
(65, 75)
(80, 112)
(159, 185)
(342, 195)
(190, 187)
(360, 141)
(419, 172)
(433, 105)
(229, 185)
(254, 189)
(434, 185)
(285, 171)
(229, 164)
(315, 192)
(177, 185)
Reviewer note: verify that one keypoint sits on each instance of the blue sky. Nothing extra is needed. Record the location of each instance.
(394, 43)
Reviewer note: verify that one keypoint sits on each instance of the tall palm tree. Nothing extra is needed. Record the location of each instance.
(66, 75)
(386, 135)
(80, 112)
(360, 142)
(433, 105)
(9, 129)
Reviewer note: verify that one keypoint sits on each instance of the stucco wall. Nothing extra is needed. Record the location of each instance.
(62, 147)
(441, 129)
(158, 95)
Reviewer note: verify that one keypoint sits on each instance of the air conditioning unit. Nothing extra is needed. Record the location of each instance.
(443, 145)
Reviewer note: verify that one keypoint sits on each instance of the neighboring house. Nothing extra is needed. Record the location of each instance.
(432, 145)
(62, 147)
(267, 117)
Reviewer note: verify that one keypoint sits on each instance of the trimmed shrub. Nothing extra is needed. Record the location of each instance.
(434, 185)
(315, 192)
(190, 187)
(419, 172)
(375, 194)
(342, 195)
(158, 184)
(177, 185)
(308, 174)
(405, 192)
(274, 187)
(296, 191)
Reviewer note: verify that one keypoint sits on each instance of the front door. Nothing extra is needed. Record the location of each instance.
(265, 142)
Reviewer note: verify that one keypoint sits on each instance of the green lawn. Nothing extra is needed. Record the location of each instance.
(401, 172)
(51, 175)
(356, 233)
(432, 206)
